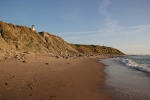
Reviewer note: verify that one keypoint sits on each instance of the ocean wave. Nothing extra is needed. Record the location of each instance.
(130, 63)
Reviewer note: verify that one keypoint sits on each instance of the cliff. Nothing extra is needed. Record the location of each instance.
(21, 39)
(96, 49)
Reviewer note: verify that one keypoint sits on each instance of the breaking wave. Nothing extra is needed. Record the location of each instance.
(132, 64)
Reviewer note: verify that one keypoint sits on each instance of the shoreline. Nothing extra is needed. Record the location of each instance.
(125, 82)
(49, 78)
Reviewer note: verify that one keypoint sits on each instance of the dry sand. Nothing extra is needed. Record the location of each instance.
(50, 78)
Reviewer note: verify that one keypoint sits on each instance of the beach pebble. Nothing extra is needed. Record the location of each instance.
(30, 86)
(31, 94)
(43, 99)
(24, 61)
(53, 96)
(57, 57)
(46, 63)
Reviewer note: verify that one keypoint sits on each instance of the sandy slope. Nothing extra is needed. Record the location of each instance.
(49, 78)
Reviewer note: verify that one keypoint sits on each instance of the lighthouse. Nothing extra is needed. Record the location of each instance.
(33, 29)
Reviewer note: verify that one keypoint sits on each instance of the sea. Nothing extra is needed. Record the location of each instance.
(128, 77)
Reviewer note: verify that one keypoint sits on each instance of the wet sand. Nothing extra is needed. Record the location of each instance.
(50, 78)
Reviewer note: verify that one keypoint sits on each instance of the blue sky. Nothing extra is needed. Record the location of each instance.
(122, 24)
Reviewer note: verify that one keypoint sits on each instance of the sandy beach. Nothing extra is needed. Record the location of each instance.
(51, 78)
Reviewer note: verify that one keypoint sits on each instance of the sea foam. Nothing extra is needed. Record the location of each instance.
(125, 83)
(130, 63)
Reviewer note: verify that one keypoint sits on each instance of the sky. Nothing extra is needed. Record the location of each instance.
(121, 24)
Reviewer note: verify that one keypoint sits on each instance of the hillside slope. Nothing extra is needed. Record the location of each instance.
(96, 49)
(15, 38)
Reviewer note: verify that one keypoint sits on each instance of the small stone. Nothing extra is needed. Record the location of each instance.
(57, 57)
(6, 83)
(24, 61)
(30, 86)
(43, 99)
(46, 63)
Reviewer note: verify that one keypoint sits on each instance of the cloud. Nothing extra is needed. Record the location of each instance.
(71, 38)
(134, 21)
(140, 29)
(113, 27)
(103, 9)
(138, 46)
(79, 33)
(123, 31)
(137, 35)
(104, 6)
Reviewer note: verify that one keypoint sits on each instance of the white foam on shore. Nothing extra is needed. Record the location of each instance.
(132, 64)
(124, 82)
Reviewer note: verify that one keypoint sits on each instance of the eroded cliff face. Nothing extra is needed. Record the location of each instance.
(16, 39)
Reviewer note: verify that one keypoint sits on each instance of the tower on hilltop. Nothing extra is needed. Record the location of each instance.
(33, 29)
